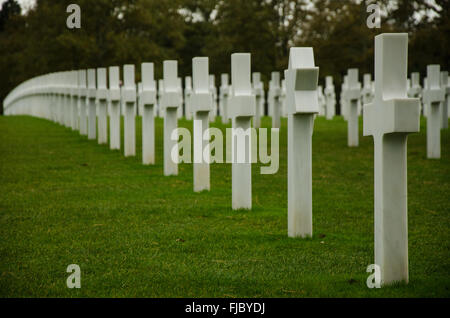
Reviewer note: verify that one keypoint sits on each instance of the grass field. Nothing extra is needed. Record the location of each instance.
(134, 232)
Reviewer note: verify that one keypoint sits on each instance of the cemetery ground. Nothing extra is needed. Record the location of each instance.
(134, 232)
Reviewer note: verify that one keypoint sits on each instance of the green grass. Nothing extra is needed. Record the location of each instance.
(134, 232)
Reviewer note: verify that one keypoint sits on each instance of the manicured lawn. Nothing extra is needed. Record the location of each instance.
(134, 232)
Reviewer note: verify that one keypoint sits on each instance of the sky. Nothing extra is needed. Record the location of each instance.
(24, 4)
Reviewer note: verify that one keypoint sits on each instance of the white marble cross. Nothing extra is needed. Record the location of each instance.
(259, 92)
(82, 96)
(66, 98)
(69, 99)
(446, 88)
(276, 92)
(129, 101)
(322, 102)
(170, 102)
(302, 104)
(283, 98)
(389, 119)
(224, 96)
(102, 99)
(330, 98)
(74, 100)
(60, 98)
(148, 100)
(180, 113)
(114, 101)
(92, 112)
(343, 98)
(415, 90)
(213, 89)
(352, 95)
(433, 96)
(187, 96)
(242, 107)
(202, 105)
(160, 93)
(366, 91)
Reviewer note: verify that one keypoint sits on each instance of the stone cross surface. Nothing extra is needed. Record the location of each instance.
(180, 91)
(302, 104)
(446, 88)
(102, 97)
(242, 108)
(389, 119)
(343, 99)
(322, 102)
(276, 93)
(330, 98)
(366, 91)
(148, 100)
(114, 101)
(283, 98)
(67, 99)
(224, 96)
(433, 96)
(170, 102)
(353, 94)
(258, 91)
(92, 95)
(62, 98)
(213, 89)
(83, 93)
(187, 96)
(129, 100)
(160, 93)
(202, 105)
(415, 89)
(74, 103)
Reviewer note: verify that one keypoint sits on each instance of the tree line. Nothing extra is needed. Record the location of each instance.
(116, 32)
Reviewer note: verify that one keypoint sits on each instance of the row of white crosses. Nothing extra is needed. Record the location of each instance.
(389, 117)
(434, 95)
(434, 98)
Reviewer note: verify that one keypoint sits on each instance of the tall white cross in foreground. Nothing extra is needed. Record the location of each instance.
(202, 105)
(102, 96)
(170, 102)
(389, 119)
(129, 100)
(302, 103)
(433, 96)
(114, 101)
(148, 101)
(242, 109)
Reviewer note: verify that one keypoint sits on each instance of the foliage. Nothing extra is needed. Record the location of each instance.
(114, 32)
